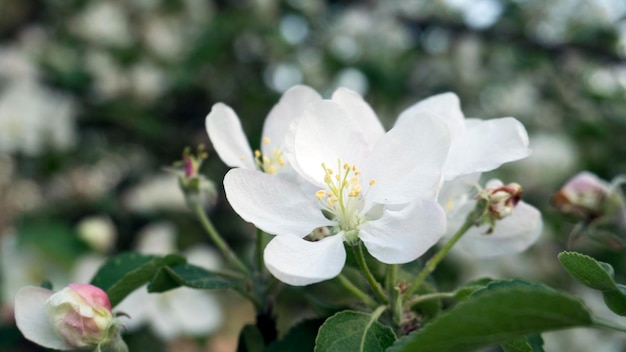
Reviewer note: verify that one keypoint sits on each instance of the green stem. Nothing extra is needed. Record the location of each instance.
(608, 325)
(217, 239)
(360, 258)
(348, 285)
(392, 276)
(260, 246)
(432, 262)
(427, 297)
(257, 304)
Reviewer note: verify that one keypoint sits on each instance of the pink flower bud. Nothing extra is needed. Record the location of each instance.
(582, 196)
(81, 314)
(77, 317)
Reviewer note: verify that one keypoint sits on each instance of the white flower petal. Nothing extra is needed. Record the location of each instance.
(290, 106)
(299, 262)
(361, 113)
(272, 203)
(404, 233)
(32, 320)
(324, 134)
(485, 146)
(446, 106)
(185, 311)
(226, 134)
(511, 235)
(406, 162)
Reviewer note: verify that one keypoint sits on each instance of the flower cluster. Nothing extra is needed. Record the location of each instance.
(327, 173)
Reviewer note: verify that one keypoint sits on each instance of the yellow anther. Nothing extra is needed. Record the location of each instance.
(357, 172)
(330, 171)
(330, 202)
(281, 161)
(320, 194)
(257, 153)
(346, 166)
(357, 188)
(331, 194)
(354, 180)
(327, 179)
(266, 160)
(337, 177)
(266, 140)
(372, 182)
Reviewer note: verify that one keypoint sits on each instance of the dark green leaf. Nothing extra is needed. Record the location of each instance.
(188, 275)
(126, 272)
(519, 344)
(250, 340)
(353, 331)
(300, 338)
(501, 312)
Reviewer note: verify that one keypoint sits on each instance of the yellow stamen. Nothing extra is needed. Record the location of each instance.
(320, 194)
(372, 182)
(266, 140)
(257, 153)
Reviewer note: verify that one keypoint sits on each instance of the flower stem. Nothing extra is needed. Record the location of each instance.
(260, 246)
(392, 276)
(360, 258)
(428, 297)
(431, 264)
(217, 239)
(348, 285)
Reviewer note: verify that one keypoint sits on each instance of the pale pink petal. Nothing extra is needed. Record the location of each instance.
(93, 295)
(361, 113)
(485, 146)
(446, 106)
(226, 134)
(288, 108)
(272, 203)
(32, 320)
(511, 235)
(404, 233)
(299, 262)
(407, 161)
(324, 134)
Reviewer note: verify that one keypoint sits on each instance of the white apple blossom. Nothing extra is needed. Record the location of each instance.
(229, 140)
(477, 145)
(372, 186)
(517, 226)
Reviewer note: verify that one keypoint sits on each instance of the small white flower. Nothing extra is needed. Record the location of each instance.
(518, 227)
(477, 145)
(372, 186)
(229, 140)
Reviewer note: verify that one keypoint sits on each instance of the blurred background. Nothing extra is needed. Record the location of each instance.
(96, 97)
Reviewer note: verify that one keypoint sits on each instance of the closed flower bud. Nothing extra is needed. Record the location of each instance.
(582, 196)
(77, 317)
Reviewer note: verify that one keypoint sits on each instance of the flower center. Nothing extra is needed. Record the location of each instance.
(343, 197)
(270, 164)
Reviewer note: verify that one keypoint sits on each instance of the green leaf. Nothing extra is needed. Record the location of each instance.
(519, 344)
(353, 331)
(126, 272)
(588, 271)
(169, 277)
(597, 275)
(250, 340)
(299, 338)
(532, 343)
(501, 312)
